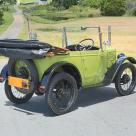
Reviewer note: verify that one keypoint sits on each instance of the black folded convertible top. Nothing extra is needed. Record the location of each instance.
(29, 49)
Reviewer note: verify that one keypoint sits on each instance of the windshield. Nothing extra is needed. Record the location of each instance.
(75, 35)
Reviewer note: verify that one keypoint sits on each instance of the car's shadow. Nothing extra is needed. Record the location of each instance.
(86, 97)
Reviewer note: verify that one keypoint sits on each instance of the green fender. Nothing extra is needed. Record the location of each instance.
(110, 75)
(48, 74)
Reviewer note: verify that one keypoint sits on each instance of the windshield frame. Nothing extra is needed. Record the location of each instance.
(65, 38)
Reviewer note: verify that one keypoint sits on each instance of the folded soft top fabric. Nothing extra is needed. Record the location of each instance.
(23, 49)
(21, 44)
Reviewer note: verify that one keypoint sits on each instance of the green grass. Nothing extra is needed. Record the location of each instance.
(27, 1)
(8, 19)
(24, 33)
(30, 1)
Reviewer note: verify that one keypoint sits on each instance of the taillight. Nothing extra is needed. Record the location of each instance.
(41, 88)
(2, 79)
(25, 84)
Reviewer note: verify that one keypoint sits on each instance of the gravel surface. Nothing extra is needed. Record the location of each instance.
(99, 112)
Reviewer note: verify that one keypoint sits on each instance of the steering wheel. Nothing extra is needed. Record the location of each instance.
(80, 47)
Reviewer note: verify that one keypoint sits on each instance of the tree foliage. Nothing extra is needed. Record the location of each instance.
(4, 6)
(90, 3)
(64, 3)
(113, 8)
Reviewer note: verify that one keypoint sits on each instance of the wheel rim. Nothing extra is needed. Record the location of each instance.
(21, 70)
(62, 95)
(18, 93)
(127, 80)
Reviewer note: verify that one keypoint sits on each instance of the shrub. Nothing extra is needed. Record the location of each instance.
(113, 8)
(130, 4)
(58, 16)
(90, 3)
(63, 4)
(1, 16)
(132, 12)
(82, 11)
(131, 7)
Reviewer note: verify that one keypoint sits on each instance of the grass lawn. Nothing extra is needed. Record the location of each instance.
(30, 1)
(8, 19)
(123, 32)
(27, 1)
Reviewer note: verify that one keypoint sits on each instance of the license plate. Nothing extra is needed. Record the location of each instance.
(18, 82)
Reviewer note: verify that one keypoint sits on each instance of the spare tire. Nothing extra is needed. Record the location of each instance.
(24, 69)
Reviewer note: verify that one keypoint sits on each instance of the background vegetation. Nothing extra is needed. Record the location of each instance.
(6, 17)
(67, 10)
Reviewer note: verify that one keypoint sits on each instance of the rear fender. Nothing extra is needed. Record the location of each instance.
(4, 73)
(51, 71)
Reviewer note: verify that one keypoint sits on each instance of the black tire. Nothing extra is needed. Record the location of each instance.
(12, 97)
(121, 78)
(71, 88)
(34, 82)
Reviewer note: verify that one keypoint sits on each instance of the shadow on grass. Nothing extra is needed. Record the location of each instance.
(86, 98)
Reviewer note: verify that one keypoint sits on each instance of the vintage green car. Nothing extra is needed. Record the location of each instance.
(59, 73)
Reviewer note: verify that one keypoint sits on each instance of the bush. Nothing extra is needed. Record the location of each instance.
(81, 11)
(113, 7)
(90, 3)
(132, 12)
(130, 4)
(63, 4)
(131, 7)
(1, 16)
(58, 16)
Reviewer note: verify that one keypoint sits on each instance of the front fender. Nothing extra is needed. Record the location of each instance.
(132, 60)
(4, 73)
(110, 75)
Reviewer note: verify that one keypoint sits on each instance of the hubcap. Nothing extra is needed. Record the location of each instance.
(126, 80)
(62, 94)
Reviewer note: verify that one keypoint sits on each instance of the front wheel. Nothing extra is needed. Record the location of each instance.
(125, 80)
(62, 93)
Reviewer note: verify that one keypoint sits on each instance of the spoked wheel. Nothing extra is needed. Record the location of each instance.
(23, 69)
(62, 93)
(125, 80)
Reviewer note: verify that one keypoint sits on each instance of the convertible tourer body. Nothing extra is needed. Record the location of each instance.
(40, 68)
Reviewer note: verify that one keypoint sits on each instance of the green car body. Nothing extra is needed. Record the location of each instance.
(91, 65)
(61, 72)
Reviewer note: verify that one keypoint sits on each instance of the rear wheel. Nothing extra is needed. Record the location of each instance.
(125, 80)
(62, 93)
(23, 69)
(15, 95)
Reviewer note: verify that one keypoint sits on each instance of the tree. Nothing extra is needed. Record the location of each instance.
(113, 7)
(90, 3)
(64, 3)
(3, 4)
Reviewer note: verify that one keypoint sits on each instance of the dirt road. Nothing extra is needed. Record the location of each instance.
(15, 28)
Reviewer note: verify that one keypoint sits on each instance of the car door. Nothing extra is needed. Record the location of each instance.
(94, 66)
